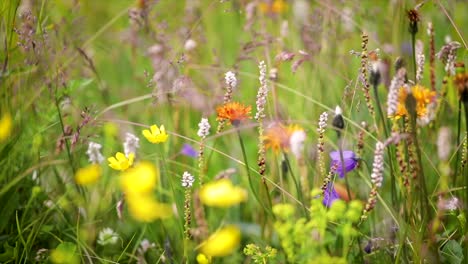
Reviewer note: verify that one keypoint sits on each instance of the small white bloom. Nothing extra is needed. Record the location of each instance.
(145, 245)
(107, 236)
(296, 142)
(48, 204)
(262, 92)
(448, 204)
(378, 165)
(203, 128)
(338, 110)
(231, 80)
(322, 123)
(94, 153)
(187, 180)
(444, 146)
(131, 144)
(190, 44)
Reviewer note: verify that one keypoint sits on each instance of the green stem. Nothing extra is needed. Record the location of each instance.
(389, 152)
(413, 45)
(70, 160)
(465, 104)
(454, 183)
(297, 184)
(247, 167)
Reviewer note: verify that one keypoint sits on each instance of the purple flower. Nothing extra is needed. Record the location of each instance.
(189, 151)
(330, 195)
(349, 161)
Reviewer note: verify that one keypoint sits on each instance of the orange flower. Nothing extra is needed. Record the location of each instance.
(422, 96)
(278, 136)
(273, 7)
(234, 112)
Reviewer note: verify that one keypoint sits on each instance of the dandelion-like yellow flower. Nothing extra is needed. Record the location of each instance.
(88, 175)
(221, 243)
(145, 208)
(273, 7)
(156, 135)
(203, 259)
(234, 112)
(422, 96)
(6, 125)
(120, 162)
(222, 193)
(141, 179)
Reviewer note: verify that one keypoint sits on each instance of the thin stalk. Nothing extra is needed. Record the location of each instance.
(247, 167)
(297, 184)
(389, 153)
(458, 142)
(413, 45)
(344, 172)
(465, 104)
(70, 159)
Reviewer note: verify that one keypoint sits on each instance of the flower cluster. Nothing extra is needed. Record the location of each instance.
(187, 180)
(131, 144)
(203, 128)
(262, 92)
(94, 153)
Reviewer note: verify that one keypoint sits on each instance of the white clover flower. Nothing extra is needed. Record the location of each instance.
(107, 236)
(131, 144)
(94, 153)
(203, 128)
(187, 180)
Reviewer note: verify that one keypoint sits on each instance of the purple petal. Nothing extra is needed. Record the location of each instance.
(189, 151)
(349, 161)
(330, 196)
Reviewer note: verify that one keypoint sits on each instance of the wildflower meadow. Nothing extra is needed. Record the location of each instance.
(233, 131)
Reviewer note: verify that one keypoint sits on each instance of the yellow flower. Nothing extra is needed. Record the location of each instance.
(156, 135)
(88, 175)
(141, 179)
(145, 208)
(120, 162)
(222, 242)
(222, 193)
(203, 259)
(6, 124)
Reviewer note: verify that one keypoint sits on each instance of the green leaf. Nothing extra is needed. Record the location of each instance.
(452, 252)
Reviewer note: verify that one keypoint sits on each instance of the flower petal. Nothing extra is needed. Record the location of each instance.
(120, 156)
